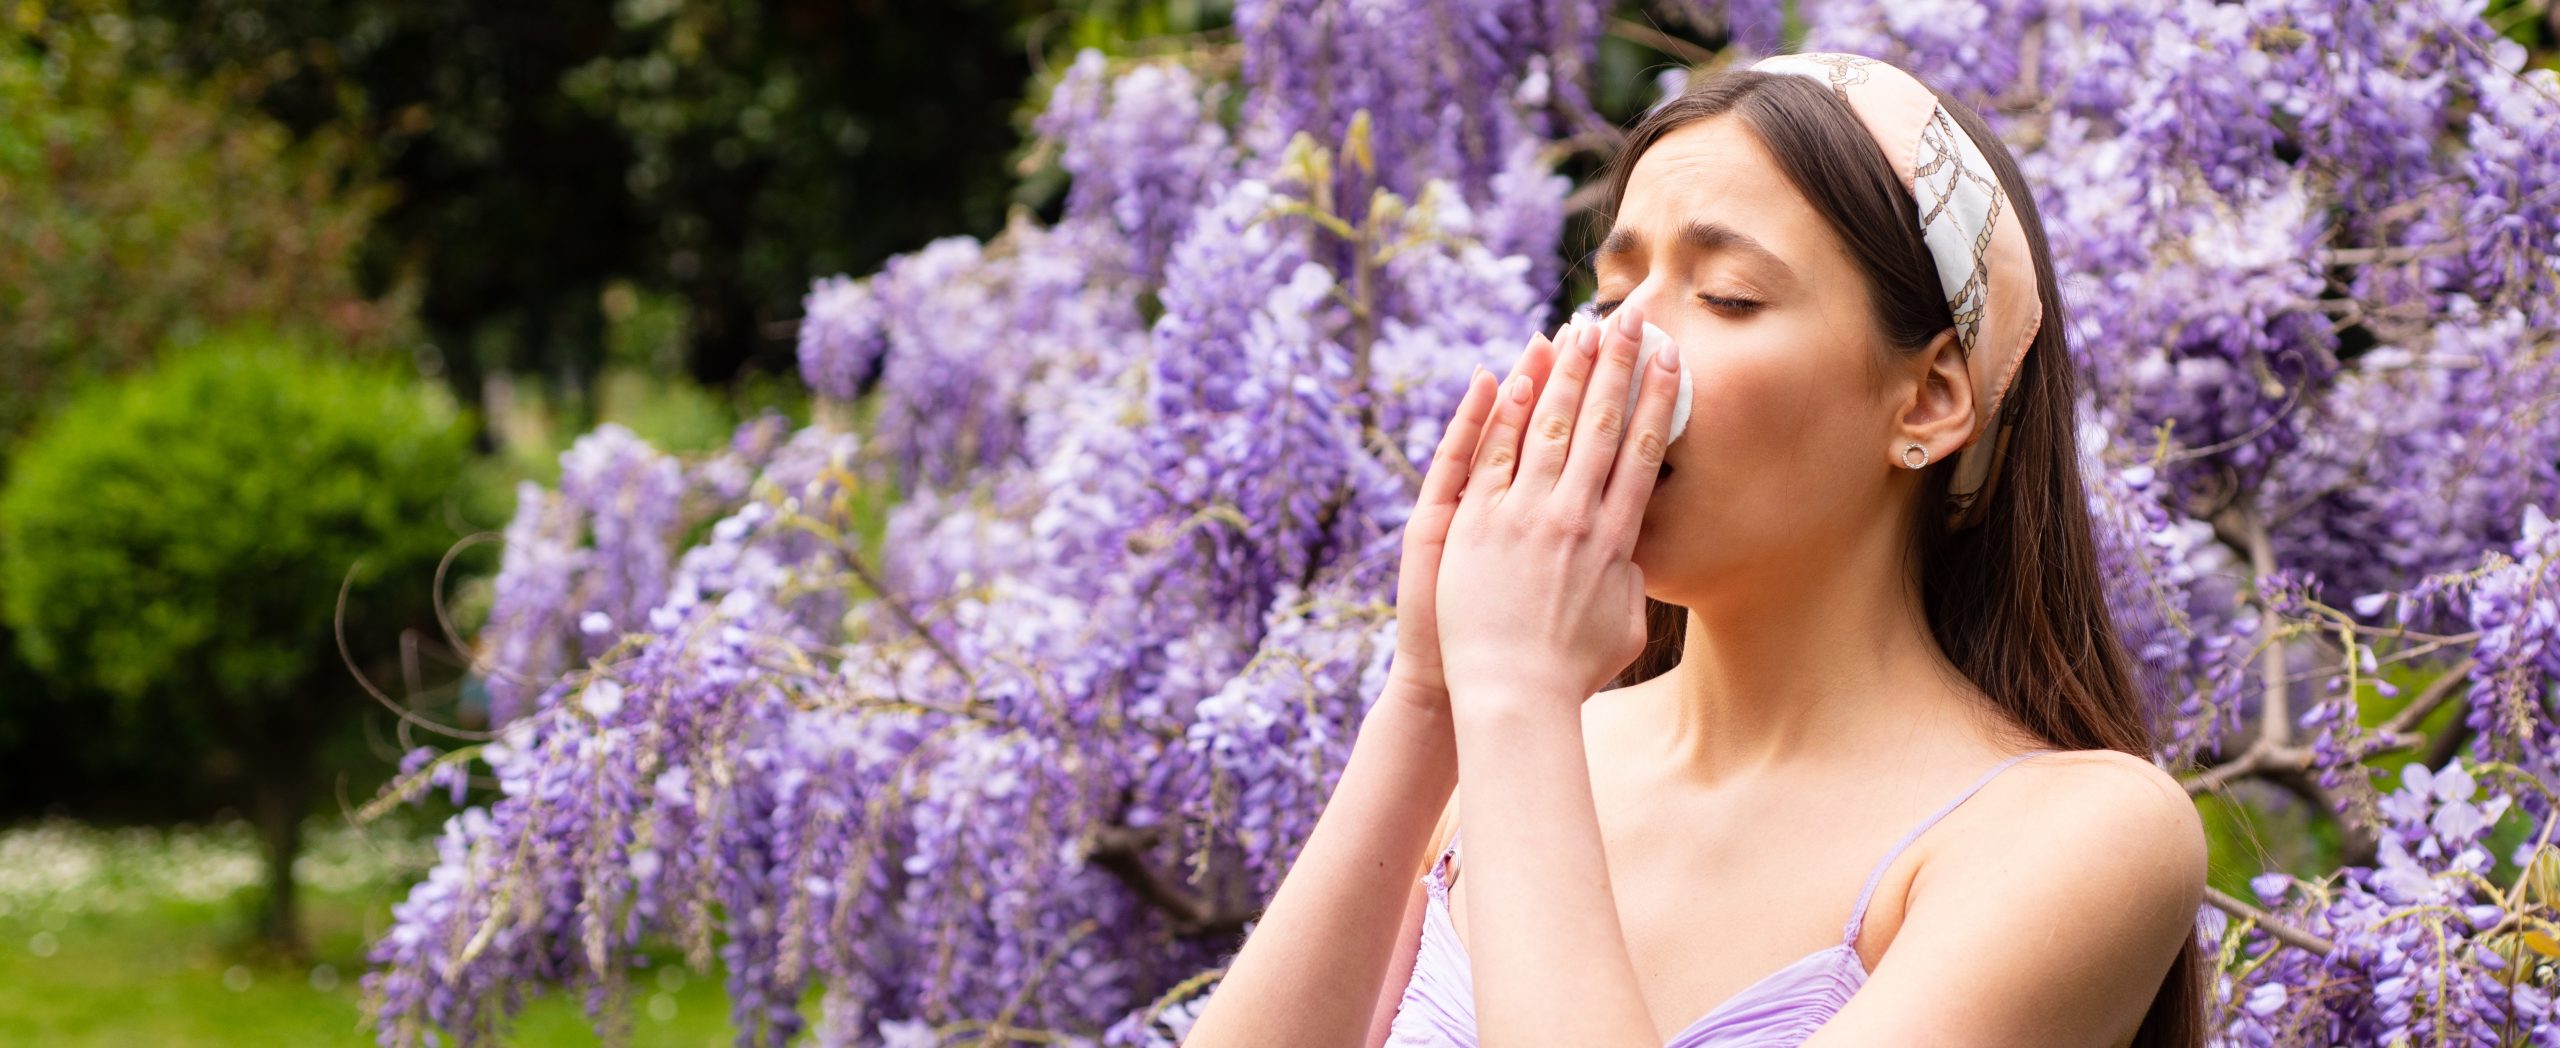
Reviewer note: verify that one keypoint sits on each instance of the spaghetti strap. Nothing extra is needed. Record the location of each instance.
(1858, 913)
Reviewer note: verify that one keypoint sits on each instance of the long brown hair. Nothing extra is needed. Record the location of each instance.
(2016, 601)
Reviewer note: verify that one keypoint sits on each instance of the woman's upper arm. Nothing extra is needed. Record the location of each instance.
(2050, 926)
(1409, 937)
(1399, 969)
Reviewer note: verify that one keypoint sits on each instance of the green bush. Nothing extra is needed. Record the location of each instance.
(178, 540)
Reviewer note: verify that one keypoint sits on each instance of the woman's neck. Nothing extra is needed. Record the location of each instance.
(1830, 661)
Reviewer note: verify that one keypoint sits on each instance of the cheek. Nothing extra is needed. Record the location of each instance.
(1752, 399)
(1773, 446)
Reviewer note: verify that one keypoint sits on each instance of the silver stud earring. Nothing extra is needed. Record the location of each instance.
(1907, 449)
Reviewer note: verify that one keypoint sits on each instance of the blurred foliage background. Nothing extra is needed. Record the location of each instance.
(508, 222)
(514, 220)
(181, 541)
(557, 213)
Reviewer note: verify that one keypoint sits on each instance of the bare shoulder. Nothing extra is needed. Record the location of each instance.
(2127, 801)
(2098, 826)
(2046, 911)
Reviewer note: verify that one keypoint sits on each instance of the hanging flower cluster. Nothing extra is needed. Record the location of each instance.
(1030, 774)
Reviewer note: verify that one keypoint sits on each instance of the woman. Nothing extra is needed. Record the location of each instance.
(1872, 771)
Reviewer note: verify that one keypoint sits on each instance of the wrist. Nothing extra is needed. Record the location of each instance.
(1514, 701)
(1421, 691)
(1411, 719)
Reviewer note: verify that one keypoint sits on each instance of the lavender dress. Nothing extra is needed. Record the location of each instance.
(1781, 1010)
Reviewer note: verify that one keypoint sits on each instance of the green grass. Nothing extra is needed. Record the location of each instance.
(117, 967)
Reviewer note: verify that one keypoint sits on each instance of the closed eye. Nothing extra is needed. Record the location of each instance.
(1731, 305)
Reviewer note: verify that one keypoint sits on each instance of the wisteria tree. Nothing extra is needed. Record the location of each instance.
(1025, 775)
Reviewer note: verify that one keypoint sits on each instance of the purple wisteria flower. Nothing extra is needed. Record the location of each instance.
(1038, 767)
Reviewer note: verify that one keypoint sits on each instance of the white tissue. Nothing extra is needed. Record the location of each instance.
(1655, 341)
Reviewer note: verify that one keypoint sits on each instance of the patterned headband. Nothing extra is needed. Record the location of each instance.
(1972, 232)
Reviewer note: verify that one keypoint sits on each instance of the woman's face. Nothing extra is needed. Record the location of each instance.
(1788, 449)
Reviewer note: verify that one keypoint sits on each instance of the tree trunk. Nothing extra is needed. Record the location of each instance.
(277, 803)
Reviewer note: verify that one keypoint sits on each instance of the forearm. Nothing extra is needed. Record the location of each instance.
(1550, 963)
(1311, 971)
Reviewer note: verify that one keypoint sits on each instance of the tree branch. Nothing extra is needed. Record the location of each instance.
(2260, 759)
(2402, 728)
(2285, 933)
(1121, 851)
(2275, 721)
(1637, 32)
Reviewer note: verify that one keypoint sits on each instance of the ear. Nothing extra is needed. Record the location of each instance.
(1937, 407)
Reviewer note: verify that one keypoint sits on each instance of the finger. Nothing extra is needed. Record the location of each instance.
(1498, 450)
(1604, 409)
(1540, 362)
(1639, 465)
(1537, 362)
(1448, 473)
(1550, 436)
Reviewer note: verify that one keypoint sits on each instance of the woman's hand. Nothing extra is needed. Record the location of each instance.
(1537, 594)
(1417, 668)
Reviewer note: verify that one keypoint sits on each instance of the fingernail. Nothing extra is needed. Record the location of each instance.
(1472, 373)
(1518, 388)
(1667, 357)
(1629, 324)
(1588, 346)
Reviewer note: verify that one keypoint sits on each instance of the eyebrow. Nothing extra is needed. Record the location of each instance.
(1700, 234)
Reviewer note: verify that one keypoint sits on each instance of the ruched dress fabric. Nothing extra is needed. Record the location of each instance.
(1781, 1010)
